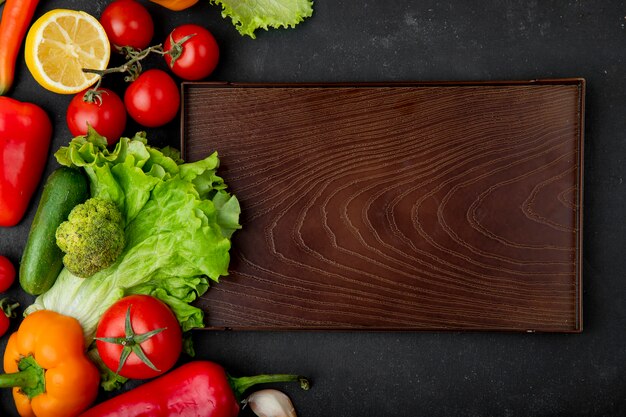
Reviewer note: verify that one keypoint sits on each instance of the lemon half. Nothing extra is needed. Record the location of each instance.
(60, 44)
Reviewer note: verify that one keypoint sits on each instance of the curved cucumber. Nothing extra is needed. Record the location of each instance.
(42, 259)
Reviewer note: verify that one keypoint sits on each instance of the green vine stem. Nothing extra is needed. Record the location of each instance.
(133, 64)
(132, 67)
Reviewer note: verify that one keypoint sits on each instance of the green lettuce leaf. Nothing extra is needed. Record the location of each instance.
(250, 15)
(178, 222)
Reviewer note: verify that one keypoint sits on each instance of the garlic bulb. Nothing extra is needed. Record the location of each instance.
(270, 403)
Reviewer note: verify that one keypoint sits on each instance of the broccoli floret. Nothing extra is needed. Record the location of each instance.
(92, 237)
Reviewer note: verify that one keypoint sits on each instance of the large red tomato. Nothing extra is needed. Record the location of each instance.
(194, 58)
(106, 114)
(153, 98)
(142, 333)
(127, 23)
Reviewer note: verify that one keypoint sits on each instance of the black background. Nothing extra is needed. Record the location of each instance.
(428, 374)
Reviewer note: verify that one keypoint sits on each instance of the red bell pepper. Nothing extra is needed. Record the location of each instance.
(25, 135)
(196, 389)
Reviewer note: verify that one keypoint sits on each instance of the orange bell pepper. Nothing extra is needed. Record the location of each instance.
(175, 5)
(48, 368)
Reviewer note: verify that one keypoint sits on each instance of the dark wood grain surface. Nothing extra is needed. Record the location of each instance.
(429, 206)
(423, 374)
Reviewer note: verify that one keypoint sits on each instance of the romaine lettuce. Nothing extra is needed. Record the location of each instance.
(178, 222)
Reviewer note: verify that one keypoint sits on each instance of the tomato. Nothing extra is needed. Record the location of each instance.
(106, 114)
(199, 54)
(146, 314)
(127, 23)
(7, 312)
(7, 277)
(153, 98)
(7, 274)
(5, 322)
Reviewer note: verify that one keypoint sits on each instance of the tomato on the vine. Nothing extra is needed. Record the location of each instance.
(193, 52)
(105, 113)
(7, 273)
(139, 337)
(127, 23)
(153, 99)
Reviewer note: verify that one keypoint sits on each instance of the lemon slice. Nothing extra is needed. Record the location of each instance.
(60, 44)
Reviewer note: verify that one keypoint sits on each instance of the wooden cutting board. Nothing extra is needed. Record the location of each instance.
(408, 206)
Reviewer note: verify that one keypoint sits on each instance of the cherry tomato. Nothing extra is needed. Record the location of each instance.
(7, 312)
(7, 274)
(5, 322)
(152, 99)
(106, 114)
(196, 57)
(146, 314)
(127, 23)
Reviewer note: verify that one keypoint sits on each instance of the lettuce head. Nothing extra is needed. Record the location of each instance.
(178, 222)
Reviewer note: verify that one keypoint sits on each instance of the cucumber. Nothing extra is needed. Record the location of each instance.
(42, 259)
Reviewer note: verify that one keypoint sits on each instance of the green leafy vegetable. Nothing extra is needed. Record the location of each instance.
(250, 15)
(179, 219)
